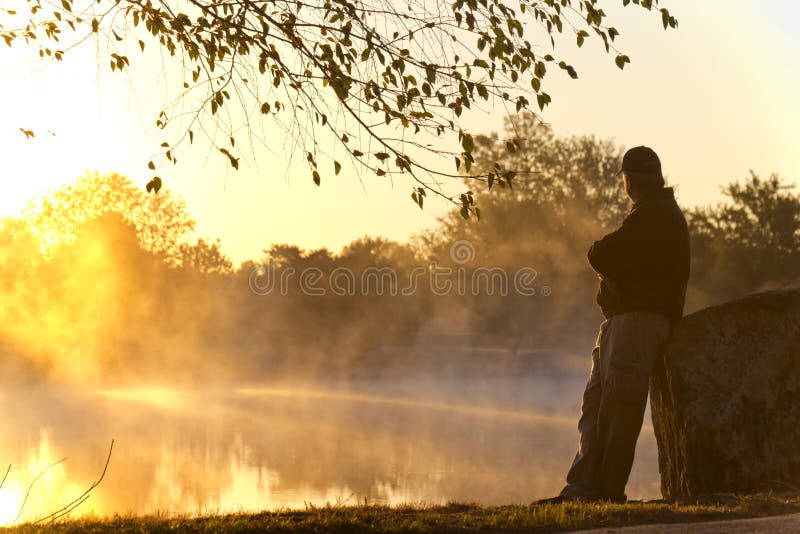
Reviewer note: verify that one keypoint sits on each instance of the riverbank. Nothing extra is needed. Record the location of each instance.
(449, 518)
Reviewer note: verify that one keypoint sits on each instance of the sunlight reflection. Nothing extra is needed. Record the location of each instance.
(45, 494)
(170, 399)
(220, 450)
(407, 402)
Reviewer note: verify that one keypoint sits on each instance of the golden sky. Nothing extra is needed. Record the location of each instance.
(714, 98)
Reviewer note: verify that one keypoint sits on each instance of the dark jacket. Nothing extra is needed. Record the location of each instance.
(644, 264)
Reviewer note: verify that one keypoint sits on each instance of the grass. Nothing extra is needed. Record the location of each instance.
(448, 518)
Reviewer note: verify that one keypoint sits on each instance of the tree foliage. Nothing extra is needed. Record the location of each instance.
(377, 80)
(560, 171)
(162, 221)
(747, 243)
(205, 257)
(566, 196)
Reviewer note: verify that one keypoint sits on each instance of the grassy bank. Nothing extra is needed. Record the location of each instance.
(449, 518)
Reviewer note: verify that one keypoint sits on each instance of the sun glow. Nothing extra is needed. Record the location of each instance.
(37, 487)
(169, 399)
(73, 130)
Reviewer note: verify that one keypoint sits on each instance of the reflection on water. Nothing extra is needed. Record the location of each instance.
(487, 441)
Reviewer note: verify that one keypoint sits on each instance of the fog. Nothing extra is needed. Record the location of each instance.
(504, 440)
(419, 372)
(221, 397)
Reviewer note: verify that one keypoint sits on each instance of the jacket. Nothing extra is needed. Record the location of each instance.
(644, 264)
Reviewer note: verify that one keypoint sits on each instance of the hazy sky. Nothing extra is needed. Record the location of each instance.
(716, 97)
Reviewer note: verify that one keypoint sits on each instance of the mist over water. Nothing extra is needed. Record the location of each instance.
(222, 397)
(222, 449)
(119, 322)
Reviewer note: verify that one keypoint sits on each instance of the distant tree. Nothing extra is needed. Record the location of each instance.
(162, 221)
(21, 269)
(569, 191)
(283, 255)
(561, 171)
(205, 257)
(70, 312)
(748, 243)
(566, 195)
(374, 251)
(368, 76)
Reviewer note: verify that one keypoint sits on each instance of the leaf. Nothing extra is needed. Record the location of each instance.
(234, 161)
(542, 99)
(571, 71)
(430, 73)
(154, 185)
(28, 133)
(151, 165)
(464, 213)
(467, 143)
(265, 107)
(337, 167)
(620, 60)
(316, 177)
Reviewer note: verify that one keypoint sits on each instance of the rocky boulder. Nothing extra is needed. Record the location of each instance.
(725, 398)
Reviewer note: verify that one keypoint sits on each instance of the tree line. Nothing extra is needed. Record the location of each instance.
(102, 281)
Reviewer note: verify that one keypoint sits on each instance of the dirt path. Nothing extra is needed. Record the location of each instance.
(782, 524)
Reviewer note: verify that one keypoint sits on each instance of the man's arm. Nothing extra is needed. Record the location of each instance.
(609, 256)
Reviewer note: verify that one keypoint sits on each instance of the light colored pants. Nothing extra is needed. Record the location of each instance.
(614, 403)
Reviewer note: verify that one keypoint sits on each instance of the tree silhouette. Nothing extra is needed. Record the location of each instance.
(162, 222)
(378, 79)
(205, 257)
(568, 197)
(749, 243)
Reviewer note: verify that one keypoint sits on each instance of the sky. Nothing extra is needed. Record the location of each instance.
(715, 98)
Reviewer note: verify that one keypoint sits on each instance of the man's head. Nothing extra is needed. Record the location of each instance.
(641, 172)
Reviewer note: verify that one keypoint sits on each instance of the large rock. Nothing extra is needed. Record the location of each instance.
(726, 398)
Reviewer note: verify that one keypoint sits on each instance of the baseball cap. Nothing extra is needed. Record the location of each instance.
(640, 159)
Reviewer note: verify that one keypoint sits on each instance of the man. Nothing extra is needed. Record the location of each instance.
(643, 268)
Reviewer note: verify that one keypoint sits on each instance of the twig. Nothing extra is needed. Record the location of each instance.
(25, 500)
(82, 497)
(5, 476)
(64, 511)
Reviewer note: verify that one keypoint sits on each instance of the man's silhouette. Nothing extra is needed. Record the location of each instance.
(643, 268)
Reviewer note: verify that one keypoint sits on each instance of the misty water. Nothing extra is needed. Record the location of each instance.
(490, 441)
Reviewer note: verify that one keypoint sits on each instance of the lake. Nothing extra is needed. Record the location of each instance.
(222, 449)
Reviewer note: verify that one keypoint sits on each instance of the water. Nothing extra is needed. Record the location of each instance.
(254, 448)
